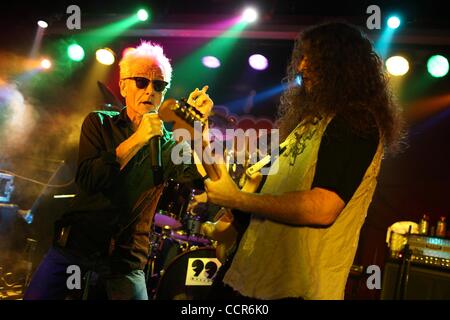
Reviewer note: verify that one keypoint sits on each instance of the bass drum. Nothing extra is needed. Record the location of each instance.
(189, 276)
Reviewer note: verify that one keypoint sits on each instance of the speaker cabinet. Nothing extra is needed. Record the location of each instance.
(423, 283)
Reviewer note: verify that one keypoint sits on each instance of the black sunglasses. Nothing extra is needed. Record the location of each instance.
(142, 83)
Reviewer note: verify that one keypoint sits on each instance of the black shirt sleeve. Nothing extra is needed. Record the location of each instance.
(97, 165)
(343, 159)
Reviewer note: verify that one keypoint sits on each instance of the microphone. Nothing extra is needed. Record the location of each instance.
(155, 158)
(155, 152)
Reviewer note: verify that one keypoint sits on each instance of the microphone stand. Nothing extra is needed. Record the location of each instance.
(402, 280)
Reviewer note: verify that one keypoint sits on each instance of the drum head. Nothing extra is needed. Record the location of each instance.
(162, 219)
(194, 240)
(172, 205)
(173, 284)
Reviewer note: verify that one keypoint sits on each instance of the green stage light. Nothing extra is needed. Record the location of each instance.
(142, 15)
(75, 52)
(437, 66)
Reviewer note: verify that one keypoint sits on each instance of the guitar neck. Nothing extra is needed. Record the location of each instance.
(264, 161)
(206, 160)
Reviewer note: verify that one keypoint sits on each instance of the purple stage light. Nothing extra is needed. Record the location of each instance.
(211, 62)
(258, 62)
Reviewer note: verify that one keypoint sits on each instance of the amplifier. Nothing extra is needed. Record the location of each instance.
(424, 282)
(431, 251)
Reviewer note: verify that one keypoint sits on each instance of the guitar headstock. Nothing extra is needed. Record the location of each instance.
(182, 114)
(185, 116)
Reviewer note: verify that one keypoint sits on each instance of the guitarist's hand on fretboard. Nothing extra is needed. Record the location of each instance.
(201, 101)
(220, 187)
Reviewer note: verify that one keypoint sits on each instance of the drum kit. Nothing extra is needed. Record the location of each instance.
(182, 262)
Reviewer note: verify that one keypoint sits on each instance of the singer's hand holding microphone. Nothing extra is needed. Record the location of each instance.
(150, 126)
(150, 130)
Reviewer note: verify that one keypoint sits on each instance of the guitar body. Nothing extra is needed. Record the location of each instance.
(224, 230)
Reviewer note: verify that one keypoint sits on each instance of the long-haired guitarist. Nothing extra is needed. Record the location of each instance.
(306, 219)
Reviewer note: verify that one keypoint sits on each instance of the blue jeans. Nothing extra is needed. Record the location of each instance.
(49, 281)
(130, 286)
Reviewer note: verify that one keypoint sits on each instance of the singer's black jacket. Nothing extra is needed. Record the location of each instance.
(107, 194)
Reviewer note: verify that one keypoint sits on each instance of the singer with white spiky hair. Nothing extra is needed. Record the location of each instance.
(107, 228)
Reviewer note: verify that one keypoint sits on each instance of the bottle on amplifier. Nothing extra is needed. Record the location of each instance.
(424, 224)
(441, 227)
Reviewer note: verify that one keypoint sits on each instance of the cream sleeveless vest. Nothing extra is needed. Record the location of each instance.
(276, 260)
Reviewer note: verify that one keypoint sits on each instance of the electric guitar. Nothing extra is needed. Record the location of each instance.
(222, 229)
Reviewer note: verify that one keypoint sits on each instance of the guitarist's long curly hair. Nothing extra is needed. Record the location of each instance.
(352, 82)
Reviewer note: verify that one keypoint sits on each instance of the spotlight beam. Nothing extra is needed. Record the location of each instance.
(259, 97)
(37, 42)
(285, 32)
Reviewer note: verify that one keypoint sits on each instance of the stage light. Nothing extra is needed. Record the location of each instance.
(437, 66)
(42, 24)
(397, 65)
(258, 62)
(126, 50)
(75, 52)
(211, 62)
(46, 64)
(393, 22)
(249, 15)
(298, 80)
(142, 15)
(105, 56)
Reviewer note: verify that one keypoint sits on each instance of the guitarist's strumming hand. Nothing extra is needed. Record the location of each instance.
(223, 192)
(196, 200)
